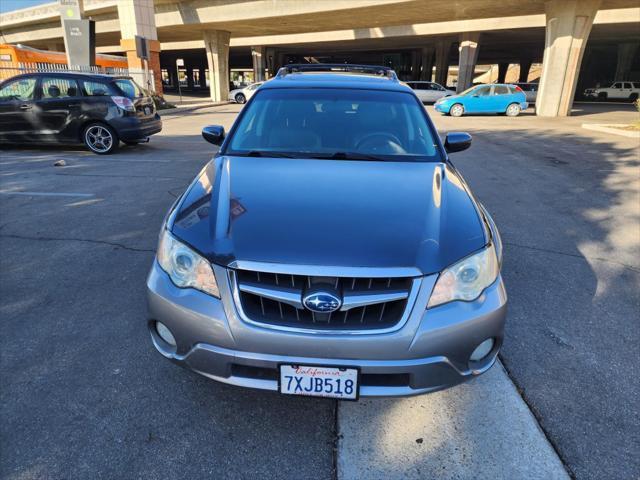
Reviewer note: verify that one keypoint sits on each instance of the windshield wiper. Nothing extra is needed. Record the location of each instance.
(264, 153)
(349, 156)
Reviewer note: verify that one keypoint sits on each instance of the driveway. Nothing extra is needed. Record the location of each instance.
(84, 395)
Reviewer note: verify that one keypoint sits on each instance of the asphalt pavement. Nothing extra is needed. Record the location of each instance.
(84, 395)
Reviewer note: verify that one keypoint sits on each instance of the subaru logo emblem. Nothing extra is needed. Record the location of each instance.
(322, 302)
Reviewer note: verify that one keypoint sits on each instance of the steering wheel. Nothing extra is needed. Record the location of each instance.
(380, 142)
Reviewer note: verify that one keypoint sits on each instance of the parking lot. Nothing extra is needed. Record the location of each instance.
(84, 395)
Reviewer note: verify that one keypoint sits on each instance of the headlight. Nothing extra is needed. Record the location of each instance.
(467, 279)
(185, 267)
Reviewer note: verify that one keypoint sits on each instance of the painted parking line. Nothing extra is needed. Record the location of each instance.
(481, 429)
(48, 194)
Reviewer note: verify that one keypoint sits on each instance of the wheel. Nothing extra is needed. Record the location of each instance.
(633, 97)
(456, 110)
(602, 96)
(513, 110)
(100, 138)
(240, 98)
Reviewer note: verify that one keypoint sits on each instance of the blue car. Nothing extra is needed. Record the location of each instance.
(499, 98)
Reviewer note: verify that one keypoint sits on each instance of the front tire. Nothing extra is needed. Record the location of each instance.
(456, 110)
(100, 138)
(240, 98)
(513, 110)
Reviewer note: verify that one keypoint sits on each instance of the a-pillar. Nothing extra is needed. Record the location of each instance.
(427, 54)
(568, 24)
(503, 68)
(626, 56)
(258, 55)
(217, 44)
(443, 49)
(467, 59)
(525, 66)
(137, 17)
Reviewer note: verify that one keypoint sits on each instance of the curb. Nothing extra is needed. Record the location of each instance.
(610, 128)
(190, 108)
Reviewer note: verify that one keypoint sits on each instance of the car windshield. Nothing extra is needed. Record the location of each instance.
(467, 91)
(129, 88)
(334, 123)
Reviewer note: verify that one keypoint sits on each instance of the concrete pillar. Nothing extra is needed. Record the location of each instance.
(503, 68)
(427, 58)
(525, 66)
(269, 61)
(568, 26)
(258, 55)
(415, 65)
(217, 44)
(137, 17)
(626, 55)
(443, 48)
(467, 60)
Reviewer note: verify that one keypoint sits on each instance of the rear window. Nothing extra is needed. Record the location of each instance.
(129, 88)
(316, 123)
(501, 90)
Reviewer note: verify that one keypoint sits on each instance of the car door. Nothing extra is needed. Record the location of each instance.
(58, 103)
(16, 108)
(479, 100)
(501, 97)
(419, 89)
(615, 91)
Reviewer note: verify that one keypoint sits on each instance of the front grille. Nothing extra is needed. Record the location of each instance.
(276, 299)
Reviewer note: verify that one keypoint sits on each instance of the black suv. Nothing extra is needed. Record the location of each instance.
(97, 110)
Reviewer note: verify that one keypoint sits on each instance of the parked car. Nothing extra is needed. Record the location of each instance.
(429, 92)
(530, 91)
(330, 248)
(241, 95)
(617, 91)
(97, 110)
(497, 98)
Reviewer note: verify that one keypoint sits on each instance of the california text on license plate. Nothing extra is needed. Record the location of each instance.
(317, 381)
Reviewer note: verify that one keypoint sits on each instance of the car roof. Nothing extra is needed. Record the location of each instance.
(94, 76)
(335, 80)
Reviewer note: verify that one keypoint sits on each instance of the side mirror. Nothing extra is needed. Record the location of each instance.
(213, 134)
(457, 141)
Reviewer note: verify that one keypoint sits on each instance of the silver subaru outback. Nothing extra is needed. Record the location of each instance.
(330, 248)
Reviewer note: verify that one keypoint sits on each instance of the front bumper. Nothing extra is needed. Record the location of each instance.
(441, 107)
(430, 352)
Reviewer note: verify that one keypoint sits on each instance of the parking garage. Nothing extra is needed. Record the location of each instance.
(564, 46)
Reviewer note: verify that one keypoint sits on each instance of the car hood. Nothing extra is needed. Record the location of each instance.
(329, 213)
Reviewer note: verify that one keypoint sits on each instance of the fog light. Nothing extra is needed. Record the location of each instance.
(165, 334)
(482, 350)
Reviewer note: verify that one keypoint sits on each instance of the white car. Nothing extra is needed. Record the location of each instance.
(241, 95)
(429, 91)
(617, 91)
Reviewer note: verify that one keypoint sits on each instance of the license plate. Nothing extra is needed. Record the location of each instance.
(316, 381)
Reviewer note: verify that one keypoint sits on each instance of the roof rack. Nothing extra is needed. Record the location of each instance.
(337, 67)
